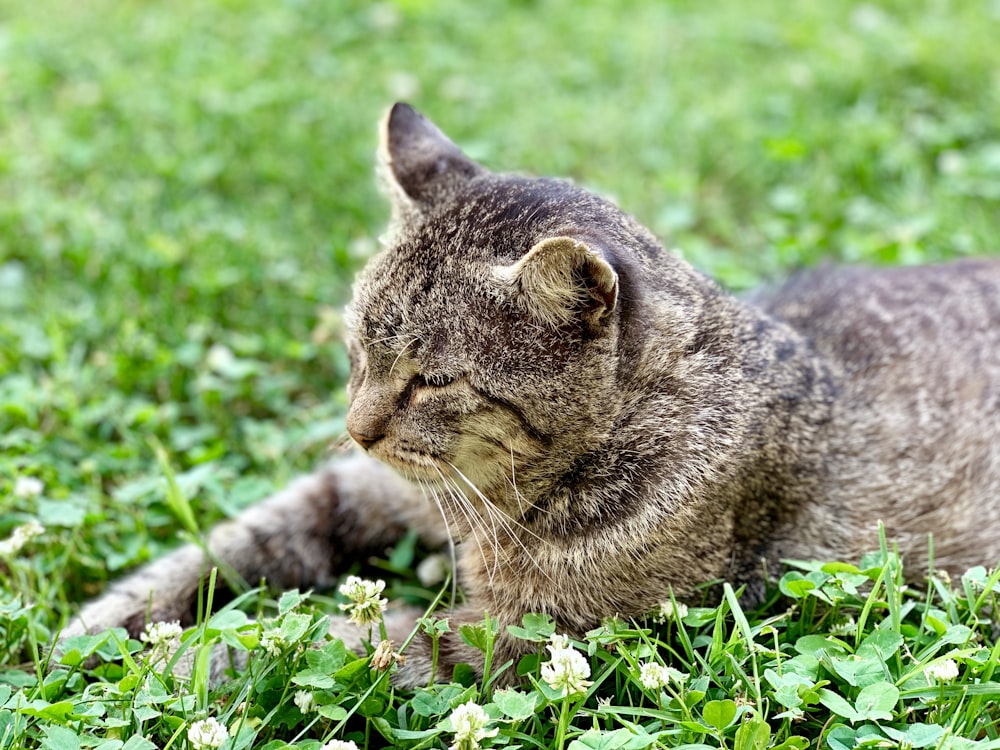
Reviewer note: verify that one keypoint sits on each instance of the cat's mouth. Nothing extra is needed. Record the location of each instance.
(414, 465)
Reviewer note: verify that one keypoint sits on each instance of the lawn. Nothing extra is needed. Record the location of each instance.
(185, 193)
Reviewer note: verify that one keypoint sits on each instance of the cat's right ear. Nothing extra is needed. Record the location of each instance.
(418, 163)
(561, 279)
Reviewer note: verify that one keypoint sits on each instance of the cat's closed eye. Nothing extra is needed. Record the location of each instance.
(434, 380)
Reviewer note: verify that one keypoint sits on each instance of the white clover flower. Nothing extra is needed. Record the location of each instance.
(432, 570)
(669, 611)
(339, 745)
(558, 642)
(305, 701)
(219, 357)
(365, 606)
(26, 487)
(163, 638)
(942, 671)
(470, 722)
(20, 537)
(654, 676)
(207, 733)
(567, 670)
(272, 642)
(847, 627)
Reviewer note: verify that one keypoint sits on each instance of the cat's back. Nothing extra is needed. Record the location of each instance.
(866, 319)
(915, 440)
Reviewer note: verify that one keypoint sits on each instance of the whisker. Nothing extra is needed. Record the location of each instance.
(424, 489)
(492, 518)
(509, 524)
(460, 501)
(486, 501)
(340, 444)
(402, 351)
(394, 337)
(513, 482)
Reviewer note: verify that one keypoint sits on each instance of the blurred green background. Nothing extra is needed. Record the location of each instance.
(186, 190)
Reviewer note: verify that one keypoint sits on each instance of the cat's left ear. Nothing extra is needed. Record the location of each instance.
(418, 162)
(561, 279)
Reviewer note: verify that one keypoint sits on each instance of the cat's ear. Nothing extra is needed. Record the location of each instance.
(417, 162)
(561, 279)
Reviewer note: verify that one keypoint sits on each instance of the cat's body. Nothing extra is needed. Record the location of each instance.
(600, 425)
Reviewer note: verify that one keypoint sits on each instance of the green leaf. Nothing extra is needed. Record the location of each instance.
(752, 734)
(333, 713)
(787, 687)
(803, 665)
(795, 742)
(516, 705)
(856, 670)
(412, 735)
(916, 735)
(840, 737)
(956, 634)
(536, 627)
(840, 567)
(882, 644)
(838, 705)
(426, 703)
(294, 625)
(819, 645)
(79, 647)
(595, 739)
(60, 738)
(475, 635)
(876, 702)
(463, 674)
(719, 714)
(290, 600)
(351, 671)
(795, 585)
(227, 619)
(331, 657)
(314, 678)
(177, 501)
(384, 727)
(57, 712)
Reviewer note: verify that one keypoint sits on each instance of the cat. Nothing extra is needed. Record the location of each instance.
(600, 426)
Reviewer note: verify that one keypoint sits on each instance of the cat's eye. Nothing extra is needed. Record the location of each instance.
(439, 380)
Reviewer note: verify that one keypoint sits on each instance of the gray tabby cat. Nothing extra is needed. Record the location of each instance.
(599, 424)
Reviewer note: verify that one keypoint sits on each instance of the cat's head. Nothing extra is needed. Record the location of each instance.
(486, 338)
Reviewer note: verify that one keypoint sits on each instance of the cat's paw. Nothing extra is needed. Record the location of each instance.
(164, 591)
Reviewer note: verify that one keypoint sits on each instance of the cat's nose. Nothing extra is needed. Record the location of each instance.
(363, 439)
(368, 417)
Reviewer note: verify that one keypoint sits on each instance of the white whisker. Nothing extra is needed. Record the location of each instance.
(510, 525)
(461, 504)
(424, 489)
(402, 351)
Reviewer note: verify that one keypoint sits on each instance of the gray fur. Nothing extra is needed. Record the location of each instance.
(599, 424)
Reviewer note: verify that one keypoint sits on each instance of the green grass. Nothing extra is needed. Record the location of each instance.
(186, 190)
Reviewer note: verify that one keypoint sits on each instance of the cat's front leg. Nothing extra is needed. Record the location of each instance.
(301, 537)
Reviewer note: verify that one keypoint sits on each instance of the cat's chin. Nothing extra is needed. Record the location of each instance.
(416, 467)
(432, 472)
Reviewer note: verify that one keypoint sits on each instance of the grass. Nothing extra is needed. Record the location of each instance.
(185, 193)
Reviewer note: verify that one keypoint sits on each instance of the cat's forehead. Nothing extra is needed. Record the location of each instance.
(438, 275)
(416, 288)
